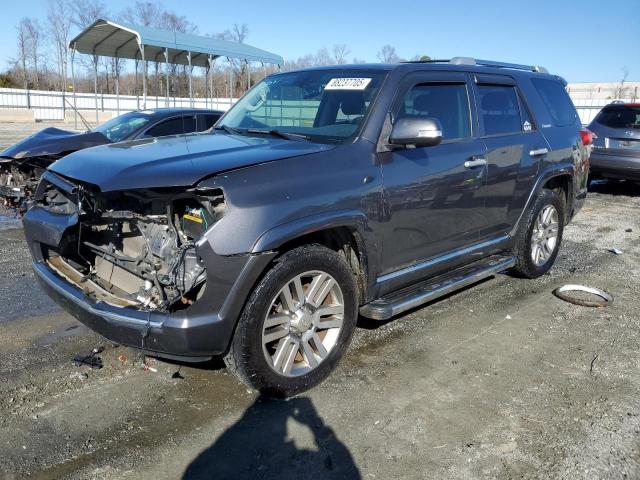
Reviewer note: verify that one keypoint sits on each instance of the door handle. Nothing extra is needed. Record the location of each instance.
(475, 162)
(536, 152)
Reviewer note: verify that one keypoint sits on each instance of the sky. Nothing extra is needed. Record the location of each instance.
(583, 41)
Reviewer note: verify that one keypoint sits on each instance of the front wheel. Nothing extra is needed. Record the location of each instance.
(539, 237)
(297, 323)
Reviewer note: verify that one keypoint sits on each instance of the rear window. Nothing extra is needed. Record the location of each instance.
(557, 101)
(622, 116)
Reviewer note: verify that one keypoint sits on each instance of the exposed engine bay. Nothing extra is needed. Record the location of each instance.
(18, 180)
(137, 248)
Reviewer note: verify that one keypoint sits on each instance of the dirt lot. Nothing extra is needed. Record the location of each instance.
(502, 380)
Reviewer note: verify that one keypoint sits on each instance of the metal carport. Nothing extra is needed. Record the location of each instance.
(142, 44)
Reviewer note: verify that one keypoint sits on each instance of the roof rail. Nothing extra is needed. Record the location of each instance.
(490, 63)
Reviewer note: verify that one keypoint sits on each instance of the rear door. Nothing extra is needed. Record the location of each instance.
(515, 147)
(432, 192)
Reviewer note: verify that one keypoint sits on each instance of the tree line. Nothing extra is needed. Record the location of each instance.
(42, 59)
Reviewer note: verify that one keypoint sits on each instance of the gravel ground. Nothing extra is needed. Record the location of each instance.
(501, 380)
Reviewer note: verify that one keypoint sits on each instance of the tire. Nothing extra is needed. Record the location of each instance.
(529, 237)
(275, 367)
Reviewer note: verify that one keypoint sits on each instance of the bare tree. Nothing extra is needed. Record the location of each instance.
(59, 23)
(33, 29)
(147, 14)
(620, 89)
(323, 57)
(85, 12)
(387, 54)
(23, 49)
(340, 53)
(238, 34)
(420, 58)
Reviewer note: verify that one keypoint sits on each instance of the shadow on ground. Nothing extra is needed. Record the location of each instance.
(615, 187)
(258, 446)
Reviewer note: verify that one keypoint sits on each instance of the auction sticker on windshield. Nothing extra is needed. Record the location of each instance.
(347, 84)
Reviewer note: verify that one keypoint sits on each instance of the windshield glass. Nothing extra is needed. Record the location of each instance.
(119, 128)
(623, 116)
(322, 105)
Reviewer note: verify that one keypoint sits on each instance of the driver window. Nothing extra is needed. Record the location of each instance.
(449, 103)
(173, 126)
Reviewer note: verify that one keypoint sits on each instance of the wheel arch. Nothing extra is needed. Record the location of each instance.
(557, 176)
(344, 232)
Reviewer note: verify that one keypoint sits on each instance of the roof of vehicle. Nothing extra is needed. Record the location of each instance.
(459, 64)
(172, 110)
(615, 104)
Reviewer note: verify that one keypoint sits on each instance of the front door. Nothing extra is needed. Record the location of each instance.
(431, 193)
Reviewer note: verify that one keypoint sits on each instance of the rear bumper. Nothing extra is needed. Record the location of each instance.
(196, 333)
(608, 164)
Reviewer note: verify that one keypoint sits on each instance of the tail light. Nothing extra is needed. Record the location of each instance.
(587, 136)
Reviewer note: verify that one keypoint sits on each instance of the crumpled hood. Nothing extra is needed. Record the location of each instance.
(177, 161)
(53, 141)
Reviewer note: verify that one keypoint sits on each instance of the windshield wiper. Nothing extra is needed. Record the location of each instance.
(278, 133)
(230, 130)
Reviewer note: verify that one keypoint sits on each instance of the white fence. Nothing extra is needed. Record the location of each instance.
(47, 105)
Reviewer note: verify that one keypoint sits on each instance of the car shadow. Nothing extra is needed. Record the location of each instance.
(615, 187)
(258, 446)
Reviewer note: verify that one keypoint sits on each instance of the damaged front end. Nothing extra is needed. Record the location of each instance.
(19, 178)
(133, 248)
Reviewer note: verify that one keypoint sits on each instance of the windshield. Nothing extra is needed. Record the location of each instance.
(119, 128)
(623, 116)
(321, 105)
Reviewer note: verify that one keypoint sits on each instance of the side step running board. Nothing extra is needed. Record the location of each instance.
(402, 300)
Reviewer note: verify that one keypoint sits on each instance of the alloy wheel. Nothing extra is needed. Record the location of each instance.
(544, 237)
(303, 323)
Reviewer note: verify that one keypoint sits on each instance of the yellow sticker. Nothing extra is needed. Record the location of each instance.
(193, 218)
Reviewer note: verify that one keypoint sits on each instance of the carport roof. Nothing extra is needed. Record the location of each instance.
(123, 40)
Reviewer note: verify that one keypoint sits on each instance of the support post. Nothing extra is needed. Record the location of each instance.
(248, 74)
(166, 71)
(95, 84)
(206, 85)
(144, 78)
(157, 81)
(117, 67)
(135, 86)
(211, 78)
(73, 83)
(190, 80)
(230, 82)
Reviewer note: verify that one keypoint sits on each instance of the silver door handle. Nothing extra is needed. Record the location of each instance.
(538, 151)
(476, 162)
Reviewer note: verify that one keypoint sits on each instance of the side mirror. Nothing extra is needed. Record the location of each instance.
(420, 132)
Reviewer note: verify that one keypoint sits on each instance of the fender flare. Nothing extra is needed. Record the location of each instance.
(285, 232)
(556, 170)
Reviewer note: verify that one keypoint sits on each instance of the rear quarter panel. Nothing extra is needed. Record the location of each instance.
(565, 147)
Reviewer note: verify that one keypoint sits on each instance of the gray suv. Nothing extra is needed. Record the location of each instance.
(616, 146)
(321, 195)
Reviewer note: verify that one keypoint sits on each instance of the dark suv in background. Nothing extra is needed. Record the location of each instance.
(616, 148)
(323, 194)
(22, 164)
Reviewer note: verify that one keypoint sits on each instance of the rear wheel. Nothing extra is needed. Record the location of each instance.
(297, 323)
(539, 238)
